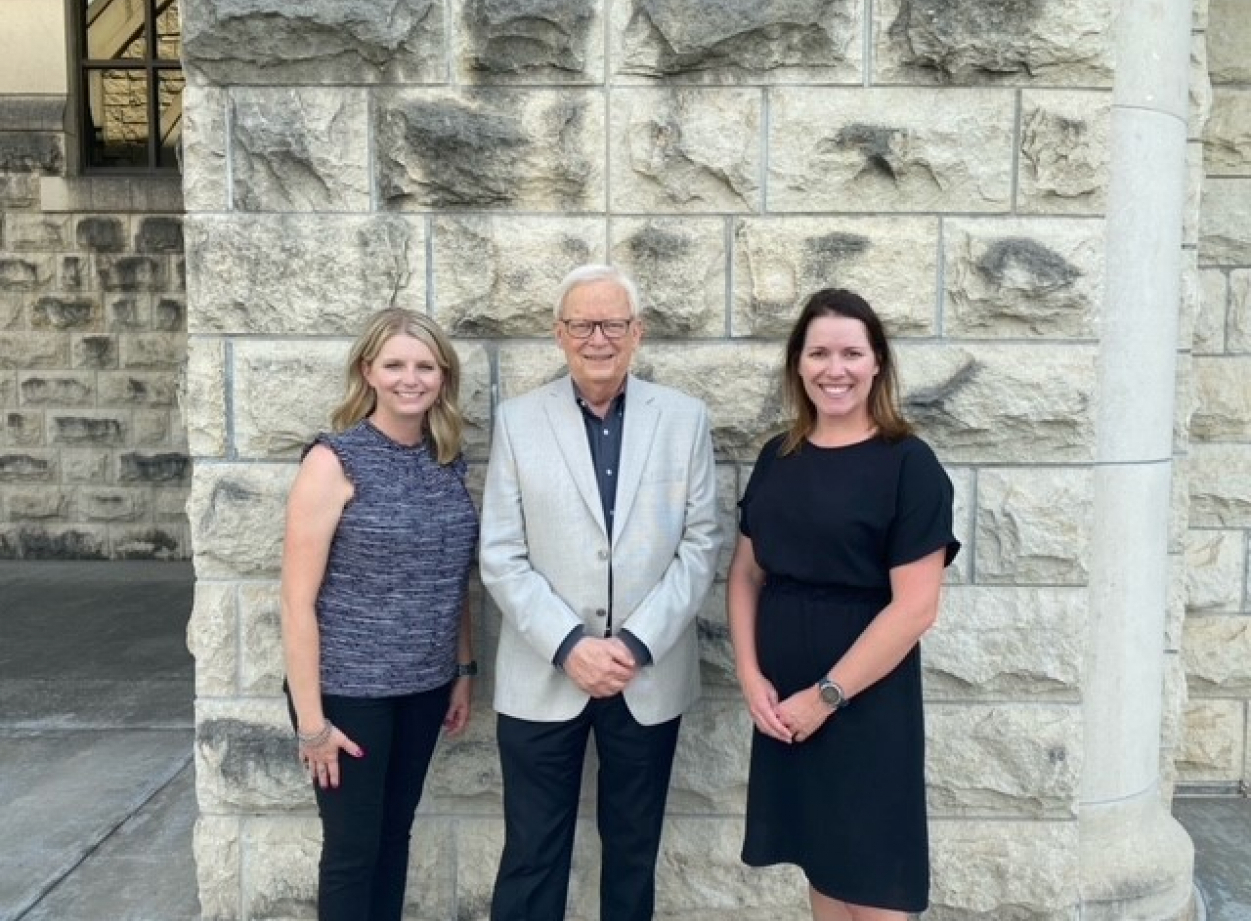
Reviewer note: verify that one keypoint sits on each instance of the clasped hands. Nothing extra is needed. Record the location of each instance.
(601, 666)
(794, 719)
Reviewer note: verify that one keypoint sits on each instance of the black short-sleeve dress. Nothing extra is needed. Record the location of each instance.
(827, 525)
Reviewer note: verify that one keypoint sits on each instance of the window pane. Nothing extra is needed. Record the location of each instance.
(118, 118)
(115, 29)
(169, 89)
(168, 30)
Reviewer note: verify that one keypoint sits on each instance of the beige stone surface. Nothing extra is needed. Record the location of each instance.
(1209, 330)
(1220, 486)
(1223, 411)
(1214, 568)
(213, 638)
(686, 150)
(779, 263)
(680, 268)
(1225, 236)
(237, 513)
(1239, 323)
(1003, 760)
(891, 150)
(1229, 36)
(1023, 278)
(1214, 735)
(203, 390)
(1006, 643)
(260, 666)
(219, 872)
(1217, 652)
(246, 759)
(1064, 151)
(1033, 526)
(204, 161)
(1227, 138)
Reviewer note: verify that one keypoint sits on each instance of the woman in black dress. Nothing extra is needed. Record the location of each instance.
(845, 530)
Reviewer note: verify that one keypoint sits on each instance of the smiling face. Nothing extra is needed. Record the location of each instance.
(598, 365)
(838, 367)
(406, 379)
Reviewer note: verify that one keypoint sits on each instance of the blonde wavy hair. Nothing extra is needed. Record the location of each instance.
(444, 423)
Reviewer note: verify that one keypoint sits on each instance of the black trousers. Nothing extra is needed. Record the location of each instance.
(367, 820)
(542, 771)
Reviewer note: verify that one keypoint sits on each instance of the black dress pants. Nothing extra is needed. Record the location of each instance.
(542, 772)
(367, 820)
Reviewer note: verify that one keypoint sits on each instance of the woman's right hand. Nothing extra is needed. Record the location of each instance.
(762, 704)
(322, 760)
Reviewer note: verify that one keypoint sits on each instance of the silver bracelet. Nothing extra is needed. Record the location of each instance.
(313, 739)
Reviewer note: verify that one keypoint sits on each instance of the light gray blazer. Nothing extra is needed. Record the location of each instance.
(545, 551)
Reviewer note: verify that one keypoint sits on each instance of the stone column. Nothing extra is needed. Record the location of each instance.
(1136, 861)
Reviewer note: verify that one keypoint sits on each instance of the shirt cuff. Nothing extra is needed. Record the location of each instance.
(642, 655)
(566, 646)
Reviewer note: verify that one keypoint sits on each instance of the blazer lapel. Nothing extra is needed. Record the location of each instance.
(642, 416)
(569, 433)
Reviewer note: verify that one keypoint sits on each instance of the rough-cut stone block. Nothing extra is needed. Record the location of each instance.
(307, 274)
(24, 429)
(204, 388)
(38, 233)
(475, 399)
(159, 234)
(87, 466)
(32, 152)
(526, 365)
(1025, 278)
(204, 137)
(889, 150)
(27, 272)
(1007, 643)
(93, 352)
(464, 777)
(1004, 760)
(136, 388)
(169, 314)
(261, 668)
(1004, 871)
(53, 312)
(1033, 526)
(1059, 43)
(299, 149)
(158, 543)
(530, 41)
(982, 404)
(321, 42)
(740, 41)
(164, 468)
(1228, 37)
(218, 866)
(113, 504)
(246, 757)
(89, 427)
(1217, 653)
(63, 542)
(1220, 486)
(59, 388)
(74, 273)
(101, 233)
(237, 513)
(497, 276)
(213, 638)
(1223, 410)
(1225, 232)
(1199, 90)
(1064, 152)
(132, 273)
(28, 467)
(129, 312)
(39, 504)
(679, 268)
(1213, 308)
(710, 767)
(538, 150)
(12, 311)
(687, 150)
(1195, 194)
(18, 190)
(272, 419)
(737, 382)
(1214, 577)
(1239, 326)
(1212, 748)
(779, 263)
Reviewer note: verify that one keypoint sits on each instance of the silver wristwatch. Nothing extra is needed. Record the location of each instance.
(831, 694)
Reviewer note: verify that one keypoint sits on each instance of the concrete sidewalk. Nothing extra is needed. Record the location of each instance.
(97, 798)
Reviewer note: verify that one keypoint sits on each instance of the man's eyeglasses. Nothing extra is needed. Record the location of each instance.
(585, 329)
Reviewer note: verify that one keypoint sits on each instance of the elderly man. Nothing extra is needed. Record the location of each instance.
(599, 542)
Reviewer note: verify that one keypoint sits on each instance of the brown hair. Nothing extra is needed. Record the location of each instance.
(883, 394)
(444, 422)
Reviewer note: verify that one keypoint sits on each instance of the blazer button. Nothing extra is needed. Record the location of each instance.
(600, 612)
(603, 554)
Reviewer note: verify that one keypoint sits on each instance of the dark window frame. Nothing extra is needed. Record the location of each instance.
(153, 67)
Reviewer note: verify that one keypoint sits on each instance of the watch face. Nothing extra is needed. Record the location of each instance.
(830, 694)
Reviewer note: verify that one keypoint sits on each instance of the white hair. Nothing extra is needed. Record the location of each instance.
(589, 274)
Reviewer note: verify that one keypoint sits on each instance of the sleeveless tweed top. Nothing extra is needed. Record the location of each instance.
(390, 602)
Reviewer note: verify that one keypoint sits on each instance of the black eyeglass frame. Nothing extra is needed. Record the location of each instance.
(589, 327)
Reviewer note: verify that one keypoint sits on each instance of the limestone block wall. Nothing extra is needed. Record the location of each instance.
(93, 458)
(1217, 633)
(457, 157)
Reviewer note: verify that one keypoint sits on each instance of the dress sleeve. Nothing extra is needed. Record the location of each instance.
(923, 515)
(763, 461)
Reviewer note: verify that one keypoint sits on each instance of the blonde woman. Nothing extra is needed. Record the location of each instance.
(380, 536)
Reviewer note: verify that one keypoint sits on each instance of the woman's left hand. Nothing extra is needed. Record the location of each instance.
(457, 717)
(804, 713)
